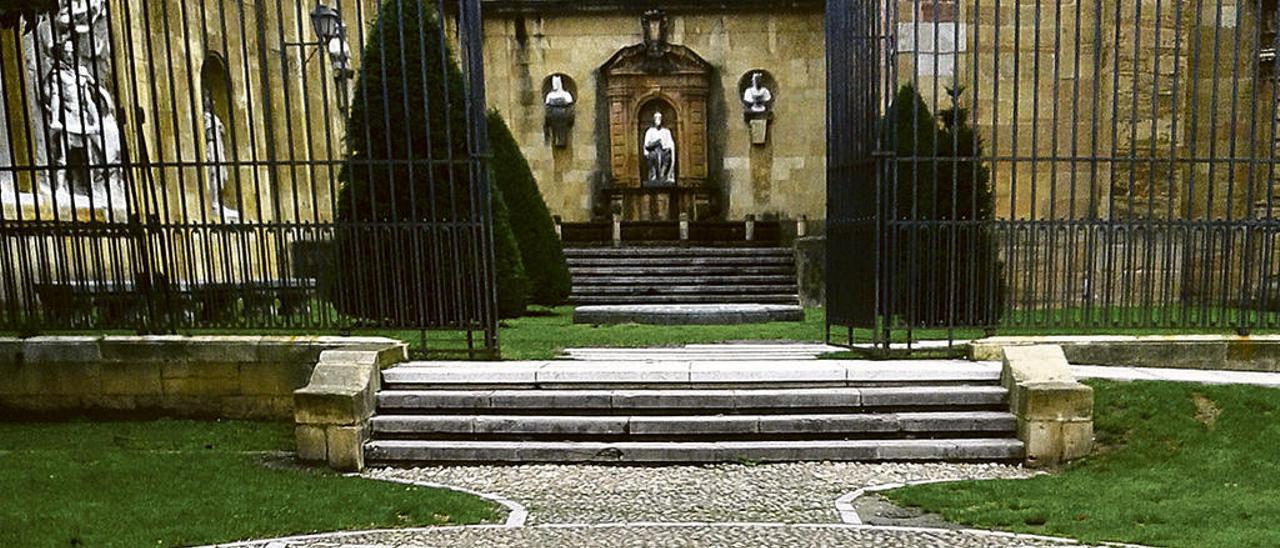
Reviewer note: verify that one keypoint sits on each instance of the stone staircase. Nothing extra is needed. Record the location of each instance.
(641, 275)
(691, 411)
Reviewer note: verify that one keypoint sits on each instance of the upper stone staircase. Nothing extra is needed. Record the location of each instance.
(639, 275)
(667, 411)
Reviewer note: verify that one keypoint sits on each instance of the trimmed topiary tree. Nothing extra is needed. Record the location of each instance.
(513, 282)
(404, 235)
(540, 249)
(941, 177)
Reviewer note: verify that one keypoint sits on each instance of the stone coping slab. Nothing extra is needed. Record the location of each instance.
(1259, 353)
(563, 372)
(687, 314)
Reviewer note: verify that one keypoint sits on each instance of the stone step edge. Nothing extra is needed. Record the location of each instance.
(682, 373)
(699, 425)
(391, 400)
(957, 449)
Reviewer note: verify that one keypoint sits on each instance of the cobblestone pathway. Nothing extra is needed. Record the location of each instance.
(789, 505)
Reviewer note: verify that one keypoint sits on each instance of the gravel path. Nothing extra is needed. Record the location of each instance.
(791, 505)
(803, 492)
(626, 536)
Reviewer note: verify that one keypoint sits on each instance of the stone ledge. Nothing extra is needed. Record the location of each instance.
(1260, 353)
(1054, 412)
(243, 377)
(332, 411)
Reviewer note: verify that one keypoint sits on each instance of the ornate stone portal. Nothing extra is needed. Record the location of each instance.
(644, 82)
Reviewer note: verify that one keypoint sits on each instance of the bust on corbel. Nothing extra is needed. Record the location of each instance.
(757, 103)
(558, 98)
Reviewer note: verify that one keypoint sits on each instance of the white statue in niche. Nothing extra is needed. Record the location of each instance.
(215, 156)
(84, 134)
(558, 97)
(757, 97)
(660, 153)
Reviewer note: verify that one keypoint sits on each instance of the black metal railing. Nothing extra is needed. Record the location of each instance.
(1052, 166)
(174, 166)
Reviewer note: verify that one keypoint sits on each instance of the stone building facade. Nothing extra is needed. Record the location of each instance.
(526, 42)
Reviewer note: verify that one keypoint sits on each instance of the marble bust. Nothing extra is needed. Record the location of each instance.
(558, 97)
(559, 112)
(660, 153)
(757, 97)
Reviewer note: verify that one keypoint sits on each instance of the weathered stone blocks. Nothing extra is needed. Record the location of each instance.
(332, 411)
(1054, 412)
(208, 376)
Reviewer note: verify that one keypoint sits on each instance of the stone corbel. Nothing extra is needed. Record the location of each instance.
(559, 120)
(758, 124)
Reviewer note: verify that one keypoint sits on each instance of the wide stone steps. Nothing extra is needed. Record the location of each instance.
(646, 289)
(692, 426)
(640, 275)
(781, 260)
(668, 411)
(677, 270)
(686, 299)
(788, 280)
(976, 449)
(667, 251)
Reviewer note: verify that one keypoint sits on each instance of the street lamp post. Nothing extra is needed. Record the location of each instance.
(332, 36)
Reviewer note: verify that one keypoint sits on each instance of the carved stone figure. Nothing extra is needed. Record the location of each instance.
(757, 98)
(84, 135)
(215, 155)
(559, 115)
(660, 153)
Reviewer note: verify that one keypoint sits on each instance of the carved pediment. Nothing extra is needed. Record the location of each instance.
(641, 59)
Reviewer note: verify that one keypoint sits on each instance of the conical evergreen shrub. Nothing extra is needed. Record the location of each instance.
(406, 246)
(513, 282)
(540, 249)
(944, 273)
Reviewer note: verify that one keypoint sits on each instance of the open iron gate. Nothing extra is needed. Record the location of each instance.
(175, 166)
(1051, 167)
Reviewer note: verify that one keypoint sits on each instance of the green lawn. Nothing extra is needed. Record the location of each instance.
(171, 482)
(1176, 465)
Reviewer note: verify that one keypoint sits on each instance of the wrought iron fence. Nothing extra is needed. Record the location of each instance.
(172, 165)
(1052, 165)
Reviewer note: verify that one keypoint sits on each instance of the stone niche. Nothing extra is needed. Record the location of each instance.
(639, 80)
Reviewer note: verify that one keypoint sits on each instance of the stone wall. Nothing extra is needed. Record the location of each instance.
(224, 376)
(785, 177)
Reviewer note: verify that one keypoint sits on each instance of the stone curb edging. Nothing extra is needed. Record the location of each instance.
(517, 514)
(849, 515)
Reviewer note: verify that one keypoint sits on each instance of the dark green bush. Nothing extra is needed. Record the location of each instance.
(405, 239)
(943, 273)
(540, 249)
(513, 282)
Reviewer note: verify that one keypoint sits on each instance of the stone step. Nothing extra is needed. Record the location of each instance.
(845, 424)
(719, 280)
(709, 289)
(981, 449)
(644, 251)
(680, 261)
(738, 373)
(720, 400)
(718, 352)
(682, 270)
(687, 299)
